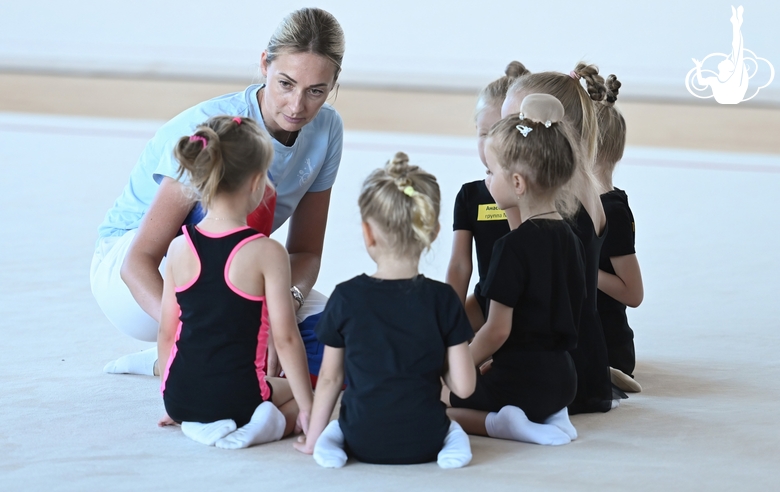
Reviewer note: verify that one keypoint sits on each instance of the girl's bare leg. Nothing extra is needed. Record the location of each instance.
(472, 421)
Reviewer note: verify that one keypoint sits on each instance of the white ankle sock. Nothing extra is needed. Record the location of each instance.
(138, 363)
(456, 452)
(511, 423)
(208, 433)
(615, 404)
(267, 424)
(329, 448)
(561, 421)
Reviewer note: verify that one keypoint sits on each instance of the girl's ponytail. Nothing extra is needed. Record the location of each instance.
(222, 154)
(404, 201)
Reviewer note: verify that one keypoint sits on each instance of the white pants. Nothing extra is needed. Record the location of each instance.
(118, 304)
(112, 294)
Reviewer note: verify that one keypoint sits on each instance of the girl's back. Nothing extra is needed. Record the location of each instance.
(395, 334)
(217, 362)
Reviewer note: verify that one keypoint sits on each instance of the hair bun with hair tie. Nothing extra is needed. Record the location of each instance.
(541, 108)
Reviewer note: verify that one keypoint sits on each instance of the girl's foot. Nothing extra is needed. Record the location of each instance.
(623, 381)
(561, 421)
(329, 448)
(511, 423)
(208, 433)
(267, 425)
(456, 452)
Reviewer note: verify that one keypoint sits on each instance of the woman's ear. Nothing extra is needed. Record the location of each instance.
(264, 63)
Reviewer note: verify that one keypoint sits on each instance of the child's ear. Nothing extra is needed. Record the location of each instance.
(368, 235)
(257, 182)
(436, 231)
(518, 184)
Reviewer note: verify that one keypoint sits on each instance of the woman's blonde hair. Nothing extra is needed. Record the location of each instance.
(308, 30)
(222, 154)
(495, 92)
(612, 129)
(404, 201)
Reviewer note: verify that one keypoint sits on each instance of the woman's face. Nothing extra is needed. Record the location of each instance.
(485, 121)
(297, 85)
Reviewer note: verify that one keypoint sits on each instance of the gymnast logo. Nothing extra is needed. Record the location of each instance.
(729, 84)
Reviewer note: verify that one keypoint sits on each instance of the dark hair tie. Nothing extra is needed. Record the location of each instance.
(611, 99)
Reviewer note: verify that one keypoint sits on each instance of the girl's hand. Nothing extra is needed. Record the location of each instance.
(302, 423)
(484, 368)
(303, 445)
(165, 420)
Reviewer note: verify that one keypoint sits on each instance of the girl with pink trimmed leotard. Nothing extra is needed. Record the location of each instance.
(225, 290)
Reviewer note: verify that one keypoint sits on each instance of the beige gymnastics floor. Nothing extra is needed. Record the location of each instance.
(707, 333)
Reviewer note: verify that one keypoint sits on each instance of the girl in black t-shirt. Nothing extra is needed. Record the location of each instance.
(394, 334)
(477, 219)
(620, 279)
(536, 285)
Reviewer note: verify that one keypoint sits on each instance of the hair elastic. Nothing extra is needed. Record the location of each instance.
(237, 120)
(409, 191)
(574, 75)
(194, 138)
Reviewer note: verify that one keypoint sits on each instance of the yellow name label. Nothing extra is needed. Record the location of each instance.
(490, 211)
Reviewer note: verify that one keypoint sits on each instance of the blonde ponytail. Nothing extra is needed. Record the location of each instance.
(404, 201)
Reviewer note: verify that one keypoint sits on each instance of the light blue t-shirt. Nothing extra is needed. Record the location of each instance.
(310, 164)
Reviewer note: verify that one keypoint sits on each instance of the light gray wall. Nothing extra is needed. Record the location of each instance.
(429, 44)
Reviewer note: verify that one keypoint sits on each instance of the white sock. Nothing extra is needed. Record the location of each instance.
(329, 448)
(615, 404)
(138, 363)
(456, 452)
(267, 424)
(561, 421)
(511, 423)
(208, 433)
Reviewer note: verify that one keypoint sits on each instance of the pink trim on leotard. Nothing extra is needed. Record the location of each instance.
(227, 270)
(195, 252)
(217, 235)
(174, 351)
(260, 356)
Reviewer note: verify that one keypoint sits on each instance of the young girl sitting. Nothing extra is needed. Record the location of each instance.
(476, 215)
(620, 280)
(594, 388)
(395, 334)
(536, 286)
(224, 284)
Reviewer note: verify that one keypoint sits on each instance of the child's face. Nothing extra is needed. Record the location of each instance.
(498, 181)
(486, 118)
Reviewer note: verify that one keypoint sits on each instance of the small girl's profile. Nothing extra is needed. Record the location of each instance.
(225, 286)
(477, 218)
(620, 279)
(395, 334)
(582, 199)
(536, 286)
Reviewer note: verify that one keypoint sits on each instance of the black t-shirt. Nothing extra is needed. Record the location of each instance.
(476, 211)
(538, 269)
(395, 334)
(619, 241)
